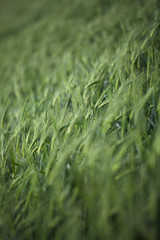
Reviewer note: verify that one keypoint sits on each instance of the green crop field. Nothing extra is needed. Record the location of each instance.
(79, 120)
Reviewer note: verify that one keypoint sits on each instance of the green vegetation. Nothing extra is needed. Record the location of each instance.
(80, 120)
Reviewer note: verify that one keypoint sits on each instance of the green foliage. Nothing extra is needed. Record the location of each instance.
(79, 120)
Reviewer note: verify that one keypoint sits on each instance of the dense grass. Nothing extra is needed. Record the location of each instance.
(80, 120)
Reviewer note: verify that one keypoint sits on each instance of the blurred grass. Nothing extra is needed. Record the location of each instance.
(79, 113)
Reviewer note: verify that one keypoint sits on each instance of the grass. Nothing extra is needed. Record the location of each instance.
(80, 120)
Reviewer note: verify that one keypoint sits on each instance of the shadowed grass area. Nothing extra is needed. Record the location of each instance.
(80, 120)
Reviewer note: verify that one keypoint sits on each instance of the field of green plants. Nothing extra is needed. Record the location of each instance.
(79, 120)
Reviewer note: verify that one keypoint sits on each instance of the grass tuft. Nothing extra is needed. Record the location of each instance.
(79, 120)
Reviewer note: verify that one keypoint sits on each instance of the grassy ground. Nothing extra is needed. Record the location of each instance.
(80, 120)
